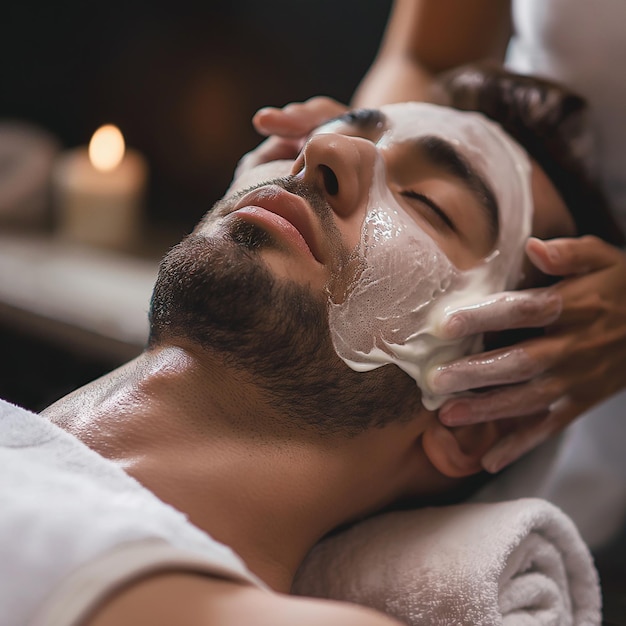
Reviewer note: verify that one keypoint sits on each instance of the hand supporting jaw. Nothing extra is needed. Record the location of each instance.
(577, 363)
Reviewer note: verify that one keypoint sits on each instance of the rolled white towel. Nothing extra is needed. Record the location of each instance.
(513, 563)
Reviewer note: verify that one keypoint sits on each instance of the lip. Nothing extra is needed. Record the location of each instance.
(284, 212)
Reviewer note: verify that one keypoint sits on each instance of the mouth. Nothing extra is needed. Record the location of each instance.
(283, 214)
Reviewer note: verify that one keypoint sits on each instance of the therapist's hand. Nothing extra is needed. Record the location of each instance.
(287, 129)
(579, 361)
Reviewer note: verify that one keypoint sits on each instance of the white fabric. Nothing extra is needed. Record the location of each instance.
(517, 563)
(582, 44)
(64, 508)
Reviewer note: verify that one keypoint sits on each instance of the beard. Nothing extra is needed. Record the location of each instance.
(217, 292)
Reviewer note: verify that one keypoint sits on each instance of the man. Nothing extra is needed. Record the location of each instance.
(261, 418)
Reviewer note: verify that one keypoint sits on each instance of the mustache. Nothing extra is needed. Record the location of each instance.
(313, 194)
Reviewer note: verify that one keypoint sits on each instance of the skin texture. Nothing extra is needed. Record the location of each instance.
(579, 360)
(195, 432)
(188, 600)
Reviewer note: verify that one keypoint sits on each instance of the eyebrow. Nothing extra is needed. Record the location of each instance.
(363, 119)
(440, 153)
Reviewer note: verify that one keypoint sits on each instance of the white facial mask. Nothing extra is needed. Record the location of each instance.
(393, 311)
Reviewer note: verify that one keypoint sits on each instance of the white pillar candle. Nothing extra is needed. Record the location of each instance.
(99, 192)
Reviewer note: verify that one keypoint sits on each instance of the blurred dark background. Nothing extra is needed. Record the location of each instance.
(182, 81)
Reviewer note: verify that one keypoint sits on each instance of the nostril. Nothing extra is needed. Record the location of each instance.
(331, 183)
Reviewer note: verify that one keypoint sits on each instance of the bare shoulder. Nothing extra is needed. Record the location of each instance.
(193, 600)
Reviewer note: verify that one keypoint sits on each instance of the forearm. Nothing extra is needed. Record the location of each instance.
(389, 80)
(424, 38)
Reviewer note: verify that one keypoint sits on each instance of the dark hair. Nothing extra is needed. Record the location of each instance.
(550, 122)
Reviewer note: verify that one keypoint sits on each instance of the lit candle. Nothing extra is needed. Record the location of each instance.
(99, 191)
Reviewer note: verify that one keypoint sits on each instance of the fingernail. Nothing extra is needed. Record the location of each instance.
(455, 327)
(537, 259)
(456, 414)
(553, 252)
(438, 380)
(496, 459)
(262, 112)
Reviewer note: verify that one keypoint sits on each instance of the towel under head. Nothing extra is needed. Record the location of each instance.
(517, 563)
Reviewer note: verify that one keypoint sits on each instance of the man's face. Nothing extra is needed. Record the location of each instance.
(380, 218)
(393, 213)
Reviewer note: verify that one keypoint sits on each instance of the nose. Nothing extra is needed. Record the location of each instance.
(341, 166)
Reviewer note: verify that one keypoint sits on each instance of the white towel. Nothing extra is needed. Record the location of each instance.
(516, 563)
(71, 519)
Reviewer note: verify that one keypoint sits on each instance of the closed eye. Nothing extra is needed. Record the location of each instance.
(434, 207)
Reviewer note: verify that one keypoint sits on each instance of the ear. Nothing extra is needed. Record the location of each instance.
(456, 452)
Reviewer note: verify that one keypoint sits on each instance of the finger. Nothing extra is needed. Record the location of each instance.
(502, 403)
(514, 446)
(570, 256)
(297, 119)
(500, 367)
(593, 301)
(505, 366)
(533, 308)
(275, 121)
(522, 441)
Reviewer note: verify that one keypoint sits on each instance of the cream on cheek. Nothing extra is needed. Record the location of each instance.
(392, 311)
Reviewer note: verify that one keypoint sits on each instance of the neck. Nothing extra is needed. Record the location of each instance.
(181, 425)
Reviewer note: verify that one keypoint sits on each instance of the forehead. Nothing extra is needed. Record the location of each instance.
(413, 119)
(475, 138)
(492, 154)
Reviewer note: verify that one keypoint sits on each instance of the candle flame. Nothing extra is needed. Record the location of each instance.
(106, 148)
